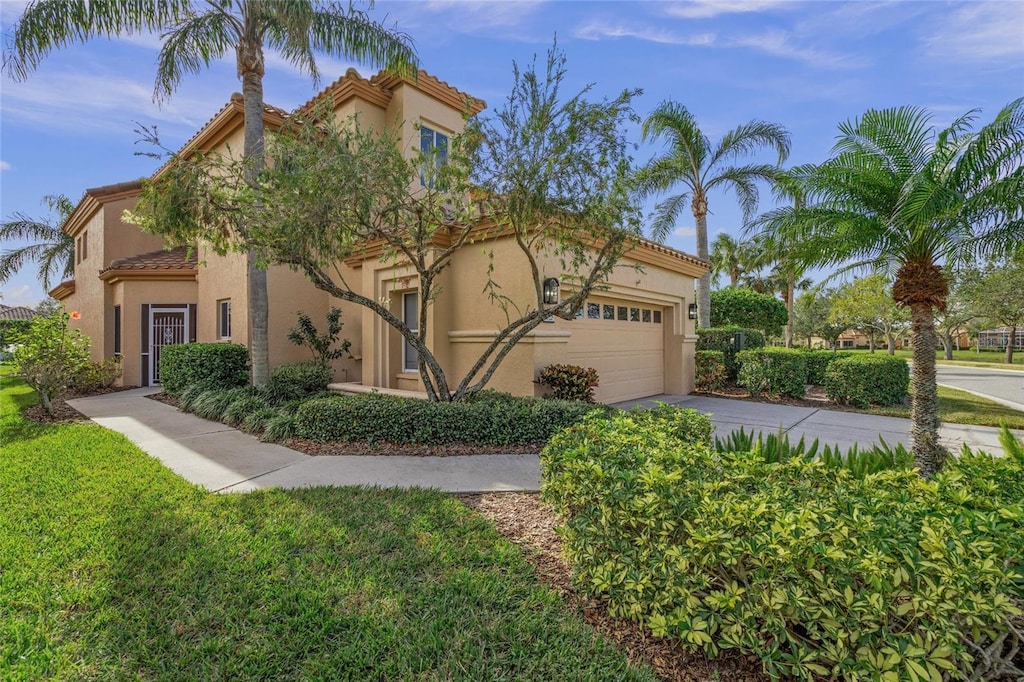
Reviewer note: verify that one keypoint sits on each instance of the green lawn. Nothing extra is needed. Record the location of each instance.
(969, 358)
(960, 407)
(112, 567)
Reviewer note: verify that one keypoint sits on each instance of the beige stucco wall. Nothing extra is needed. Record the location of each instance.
(131, 295)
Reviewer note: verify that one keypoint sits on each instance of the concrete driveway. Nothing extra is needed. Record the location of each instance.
(1003, 386)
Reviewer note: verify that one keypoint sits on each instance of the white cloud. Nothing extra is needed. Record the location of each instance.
(781, 44)
(991, 32)
(597, 30)
(24, 295)
(705, 9)
(685, 232)
(4, 166)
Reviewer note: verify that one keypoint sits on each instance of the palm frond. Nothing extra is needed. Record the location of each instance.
(661, 174)
(742, 180)
(191, 46)
(351, 34)
(686, 142)
(666, 214)
(749, 138)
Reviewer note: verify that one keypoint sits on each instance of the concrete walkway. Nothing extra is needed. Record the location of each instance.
(223, 459)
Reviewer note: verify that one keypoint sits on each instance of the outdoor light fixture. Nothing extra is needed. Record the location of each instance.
(551, 291)
(691, 312)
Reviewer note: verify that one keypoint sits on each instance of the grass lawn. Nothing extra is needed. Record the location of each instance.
(965, 358)
(112, 567)
(960, 407)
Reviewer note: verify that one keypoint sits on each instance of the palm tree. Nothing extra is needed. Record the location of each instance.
(51, 248)
(900, 195)
(194, 35)
(731, 257)
(693, 162)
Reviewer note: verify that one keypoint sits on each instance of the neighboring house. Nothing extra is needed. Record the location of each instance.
(999, 337)
(16, 312)
(136, 298)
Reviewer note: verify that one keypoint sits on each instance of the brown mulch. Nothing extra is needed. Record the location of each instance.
(528, 522)
(64, 413)
(164, 398)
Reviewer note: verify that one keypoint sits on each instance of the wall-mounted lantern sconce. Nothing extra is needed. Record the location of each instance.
(551, 291)
(691, 311)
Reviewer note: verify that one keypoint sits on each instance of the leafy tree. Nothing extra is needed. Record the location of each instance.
(812, 316)
(692, 161)
(51, 248)
(730, 256)
(49, 356)
(900, 194)
(551, 173)
(999, 298)
(194, 35)
(960, 310)
(747, 308)
(866, 305)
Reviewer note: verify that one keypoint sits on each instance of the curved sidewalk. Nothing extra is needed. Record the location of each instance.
(223, 459)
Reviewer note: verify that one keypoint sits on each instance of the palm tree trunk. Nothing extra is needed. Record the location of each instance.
(790, 295)
(929, 455)
(250, 65)
(704, 283)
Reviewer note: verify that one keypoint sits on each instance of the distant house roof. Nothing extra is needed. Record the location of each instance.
(17, 313)
(179, 258)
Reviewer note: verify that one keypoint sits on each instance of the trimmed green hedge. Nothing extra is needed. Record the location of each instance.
(743, 307)
(818, 361)
(777, 371)
(297, 381)
(721, 339)
(211, 365)
(818, 573)
(864, 380)
(491, 420)
(709, 370)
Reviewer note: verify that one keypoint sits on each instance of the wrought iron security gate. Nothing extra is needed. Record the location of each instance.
(167, 327)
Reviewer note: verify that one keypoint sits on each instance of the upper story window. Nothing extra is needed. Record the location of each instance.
(82, 247)
(434, 146)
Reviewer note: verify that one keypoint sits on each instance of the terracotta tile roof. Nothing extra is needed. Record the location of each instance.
(180, 258)
(17, 313)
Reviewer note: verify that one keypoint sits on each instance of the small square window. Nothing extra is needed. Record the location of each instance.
(623, 315)
(593, 311)
(646, 315)
(657, 317)
(634, 314)
(224, 318)
(609, 312)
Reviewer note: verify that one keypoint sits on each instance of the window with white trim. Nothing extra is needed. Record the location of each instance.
(434, 146)
(224, 319)
(411, 317)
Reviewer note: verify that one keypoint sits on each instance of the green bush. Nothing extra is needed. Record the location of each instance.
(864, 380)
(743, 307)
(297, 381)
(213, 365)
(374, 417)
(95, 376)
(278, 428)
(818, 573)
(10, 330)
(776, 371)
(570, 382)
(710, 370)
(721, 339)
(818, 361)
(256, 421)
(240, 408)
(50, 355)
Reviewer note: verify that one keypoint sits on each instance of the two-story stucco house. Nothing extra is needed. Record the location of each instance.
(134, 297)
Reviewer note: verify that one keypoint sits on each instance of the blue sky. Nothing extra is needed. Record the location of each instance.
(805, 65)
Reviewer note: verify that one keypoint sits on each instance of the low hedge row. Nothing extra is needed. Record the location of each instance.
(867, 380)
(297, 381)
(818, 361)
(816, 572)
(211, 365)
(778, 371)
(490, 420)
(723, 339)
(710, 370)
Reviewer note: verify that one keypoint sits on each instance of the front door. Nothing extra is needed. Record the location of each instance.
(167, 327)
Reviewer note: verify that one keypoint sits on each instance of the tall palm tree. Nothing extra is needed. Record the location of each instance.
(692, 161)
(729, 256)
(50, 247)
(901, 195)
(194, 35)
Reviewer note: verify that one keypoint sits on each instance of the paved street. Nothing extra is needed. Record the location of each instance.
(1005, 386)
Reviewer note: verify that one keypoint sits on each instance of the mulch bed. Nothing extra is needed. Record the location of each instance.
(525, 520)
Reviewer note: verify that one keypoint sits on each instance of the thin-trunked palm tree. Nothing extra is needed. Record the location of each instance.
(50, 247)
(901, 195)
(729, 256)
(194, 35)
(692, 161)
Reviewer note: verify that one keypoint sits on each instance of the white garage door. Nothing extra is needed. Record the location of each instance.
(625, 342)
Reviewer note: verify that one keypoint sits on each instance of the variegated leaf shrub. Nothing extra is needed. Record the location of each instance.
(819, 573)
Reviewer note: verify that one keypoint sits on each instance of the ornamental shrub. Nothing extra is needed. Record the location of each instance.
(818, 361)
(10, 330)
(95, 376)
(818, 573)
(721, 339)
(49, 356)
(212, 365)
(297, 381)
(570, 382)
(376, 417)
(743, 307)
(776, 371)
(863, 380)
(710, 370)
(305, 333)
